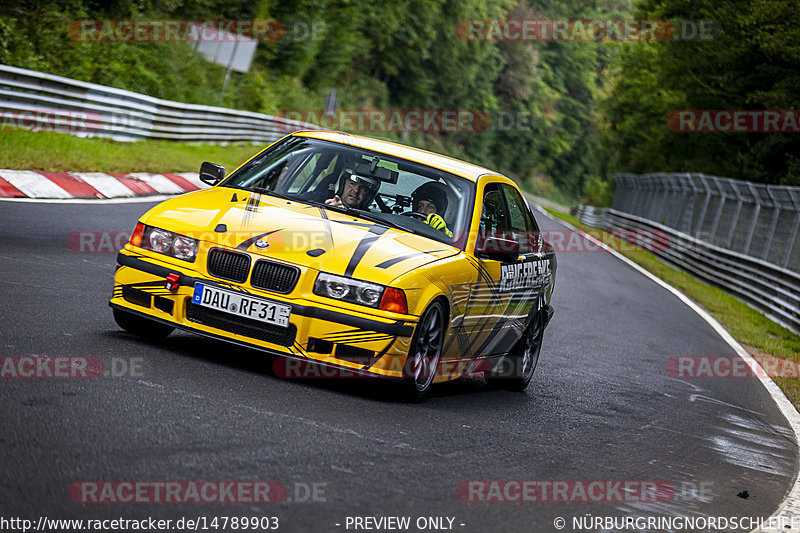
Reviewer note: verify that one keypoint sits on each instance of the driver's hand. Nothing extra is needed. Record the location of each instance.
(437, 222)
(335, 201)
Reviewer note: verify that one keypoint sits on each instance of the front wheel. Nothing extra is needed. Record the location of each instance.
(426, 350)
(141, 326)
(514, 370)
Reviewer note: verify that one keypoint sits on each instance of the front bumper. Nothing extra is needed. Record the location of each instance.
(325, 335)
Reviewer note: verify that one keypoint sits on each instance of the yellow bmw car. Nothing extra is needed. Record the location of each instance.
(360, 255)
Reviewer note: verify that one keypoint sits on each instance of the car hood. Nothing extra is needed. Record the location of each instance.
(296, 233)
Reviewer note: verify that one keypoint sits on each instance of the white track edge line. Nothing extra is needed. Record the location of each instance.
(790, 506)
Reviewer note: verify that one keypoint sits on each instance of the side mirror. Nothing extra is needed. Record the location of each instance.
(498, 249)
(211, 173)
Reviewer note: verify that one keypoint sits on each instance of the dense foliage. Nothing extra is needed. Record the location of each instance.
(750, 64)
(564, 114)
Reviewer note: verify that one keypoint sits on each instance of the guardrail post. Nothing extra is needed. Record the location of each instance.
(642, 196)
(678, 206)
(773, 225)
(702, 216)
(625, 195)
(792, 239)
(793, 235)
(735, 219)
(722, 199)
(618, 192)
(649, 192)
(690, 197)
(662, 189)
(756, 211)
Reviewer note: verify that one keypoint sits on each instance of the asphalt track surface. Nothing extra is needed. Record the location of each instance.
(601, 407)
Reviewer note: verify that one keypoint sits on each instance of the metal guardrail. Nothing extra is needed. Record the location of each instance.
(766, 286)
(591, 216)
(750, 218)
(34, 100)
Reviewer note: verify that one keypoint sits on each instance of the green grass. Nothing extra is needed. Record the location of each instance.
(55, 152)
(759, 335)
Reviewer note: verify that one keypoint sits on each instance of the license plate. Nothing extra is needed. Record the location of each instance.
(241, 305)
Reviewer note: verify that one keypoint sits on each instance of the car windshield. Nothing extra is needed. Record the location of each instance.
(378, 187)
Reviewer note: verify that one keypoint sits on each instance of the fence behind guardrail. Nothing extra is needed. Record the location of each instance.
(753, 219)
(38, 101)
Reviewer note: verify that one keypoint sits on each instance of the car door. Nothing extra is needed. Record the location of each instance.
(485, 312)
(507, 290)
(527, 278)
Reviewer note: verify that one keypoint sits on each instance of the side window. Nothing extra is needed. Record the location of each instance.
(523, 227)
(493, 215)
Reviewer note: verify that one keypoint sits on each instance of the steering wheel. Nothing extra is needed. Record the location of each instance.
(416, 215)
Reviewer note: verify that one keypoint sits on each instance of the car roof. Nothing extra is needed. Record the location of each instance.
(441, 162)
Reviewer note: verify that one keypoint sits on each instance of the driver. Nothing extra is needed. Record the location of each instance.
(430, 199)
(355, 191)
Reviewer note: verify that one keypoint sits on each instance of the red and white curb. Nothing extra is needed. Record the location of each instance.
(97, 185)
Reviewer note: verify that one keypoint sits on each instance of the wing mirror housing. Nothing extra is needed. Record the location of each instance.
(499, 249)
(211, 173)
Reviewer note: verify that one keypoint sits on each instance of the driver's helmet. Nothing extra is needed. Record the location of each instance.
(372, 183)
(433, 192)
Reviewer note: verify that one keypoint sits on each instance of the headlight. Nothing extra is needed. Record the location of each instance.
(159, 240)
(349, 290)
(165, 242)
(369, 294)
(184, 247)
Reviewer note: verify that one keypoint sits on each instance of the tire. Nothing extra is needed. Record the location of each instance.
(514, 370)
(141, 326)
(425, 353)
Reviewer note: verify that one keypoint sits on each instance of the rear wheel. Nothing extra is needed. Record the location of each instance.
(425, 353)
(514, 370)
(141, 326)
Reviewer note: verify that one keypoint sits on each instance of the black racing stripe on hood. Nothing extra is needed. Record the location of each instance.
(253, 202)
(250, 208)
(327, 223)
(400, 258)
(366, 242)
(395, 260)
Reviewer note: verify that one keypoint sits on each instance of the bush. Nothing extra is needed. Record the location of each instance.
(598, 192)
